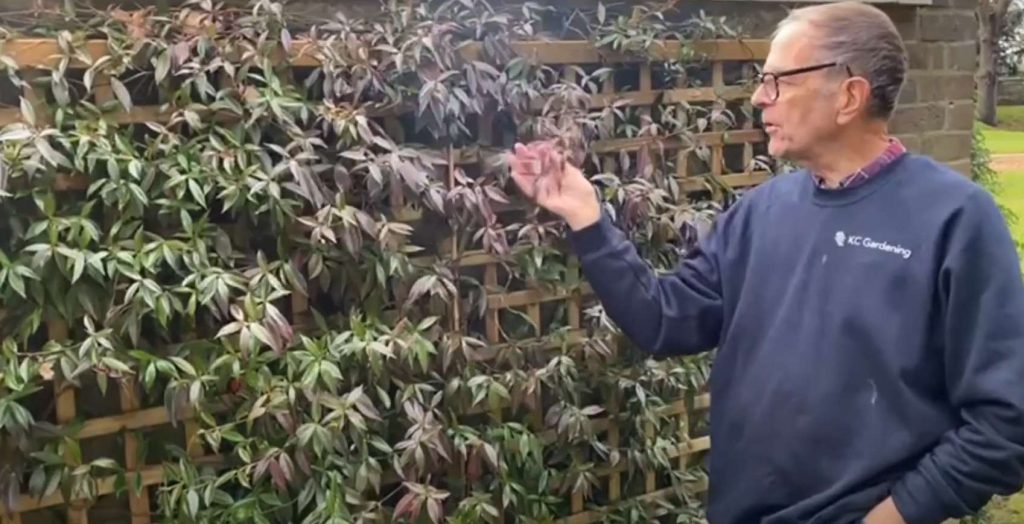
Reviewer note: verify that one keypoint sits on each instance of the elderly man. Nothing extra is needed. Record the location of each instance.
(868, 309)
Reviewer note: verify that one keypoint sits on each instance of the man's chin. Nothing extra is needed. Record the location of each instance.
(777, 151)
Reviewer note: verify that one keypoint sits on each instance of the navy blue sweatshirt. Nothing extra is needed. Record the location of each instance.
(870, 342)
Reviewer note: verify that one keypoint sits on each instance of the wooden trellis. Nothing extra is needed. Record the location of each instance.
(728, 160)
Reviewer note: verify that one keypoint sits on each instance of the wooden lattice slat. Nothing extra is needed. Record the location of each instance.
(138, 501)
(45, 52)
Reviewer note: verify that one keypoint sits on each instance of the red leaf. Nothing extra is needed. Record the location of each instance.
(474, 467)
(410, 504)
(287, 467)
(279, 480)
(300, 457)
(436, 510)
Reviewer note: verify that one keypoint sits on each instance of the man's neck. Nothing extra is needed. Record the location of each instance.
(841, 157)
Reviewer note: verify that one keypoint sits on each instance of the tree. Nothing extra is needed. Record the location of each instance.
(991, 14)
(1010, 50)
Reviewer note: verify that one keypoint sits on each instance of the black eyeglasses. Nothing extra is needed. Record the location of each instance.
(770, 81)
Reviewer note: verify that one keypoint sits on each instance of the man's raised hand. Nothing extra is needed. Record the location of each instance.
(544, 176)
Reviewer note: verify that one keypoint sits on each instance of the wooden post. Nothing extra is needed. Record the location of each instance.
(64, 392)
(138, 502)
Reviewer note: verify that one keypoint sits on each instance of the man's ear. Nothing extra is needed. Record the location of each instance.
(854, 97)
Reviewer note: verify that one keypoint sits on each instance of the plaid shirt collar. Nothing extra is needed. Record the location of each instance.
(895, 149)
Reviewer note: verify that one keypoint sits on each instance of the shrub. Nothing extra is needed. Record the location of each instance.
(277, 250)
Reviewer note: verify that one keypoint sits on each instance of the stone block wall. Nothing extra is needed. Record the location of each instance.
(936, 111)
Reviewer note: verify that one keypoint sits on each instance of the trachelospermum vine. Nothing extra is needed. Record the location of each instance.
(273, 251)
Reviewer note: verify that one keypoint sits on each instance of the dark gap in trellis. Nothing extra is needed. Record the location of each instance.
(760, 151)
(163, 442)
(699, 74)
(48, 515)
(515, 324)
(193, 94)
(75, 79)
(255, 76)
(42, 403)
(111, 508)
(414, 136)
(309, 81)
(93, 403)
(627, 125)
(328, 298)
(10, 94)
(431, 235)
(471, 273)
(735, 116)
(736, 73)
(757, 119)
(627, 163)
(511, 280)
(702, 194)
(554, 315)
(664, 75)
(471, 136)
(701, 109)
(141, 134)
(473, 171)
(142, 87)
(503, 130)
(662, 479)
(104, 446)
(627, 77)
(596, 84)
(733, 156)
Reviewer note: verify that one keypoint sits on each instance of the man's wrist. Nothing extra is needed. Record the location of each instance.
(584, 219)
(885, 513)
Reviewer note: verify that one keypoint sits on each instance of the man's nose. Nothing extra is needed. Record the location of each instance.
(758, 98)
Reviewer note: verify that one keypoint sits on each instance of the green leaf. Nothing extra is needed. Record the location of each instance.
(193, 503)
(50, 154)
(184, 366)
(79, 266)
(28, 113)
(162, 65)
(116, 365)
(15, 133)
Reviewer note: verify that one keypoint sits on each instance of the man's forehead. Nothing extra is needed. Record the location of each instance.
(793, 46)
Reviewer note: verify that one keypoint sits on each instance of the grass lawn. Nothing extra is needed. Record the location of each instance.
(1011, 195)
(1008, 137)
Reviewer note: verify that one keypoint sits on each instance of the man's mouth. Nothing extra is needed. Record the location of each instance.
(770, 127)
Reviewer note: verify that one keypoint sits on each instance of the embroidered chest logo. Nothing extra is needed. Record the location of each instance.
(844, 240)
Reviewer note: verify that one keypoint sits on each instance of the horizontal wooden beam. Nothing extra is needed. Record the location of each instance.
(151, 476)
(564, 52)
(47, 53)
(737, 180)
(533, 296)
(598, 425)
(671, 96)
(598, 515)
(714, 138)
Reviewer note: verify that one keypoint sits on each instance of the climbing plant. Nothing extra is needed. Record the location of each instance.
(275, 252)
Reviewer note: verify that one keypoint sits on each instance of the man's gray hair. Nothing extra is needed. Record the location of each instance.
(863, 38)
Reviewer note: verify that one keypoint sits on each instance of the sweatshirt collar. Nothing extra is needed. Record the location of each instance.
(876, 166)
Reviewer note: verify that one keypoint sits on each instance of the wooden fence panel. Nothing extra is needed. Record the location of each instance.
(720, 156)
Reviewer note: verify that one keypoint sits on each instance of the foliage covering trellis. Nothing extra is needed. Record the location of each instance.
(279, 254)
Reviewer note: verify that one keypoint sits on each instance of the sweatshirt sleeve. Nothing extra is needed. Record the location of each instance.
(671, 314)
(981, 294)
